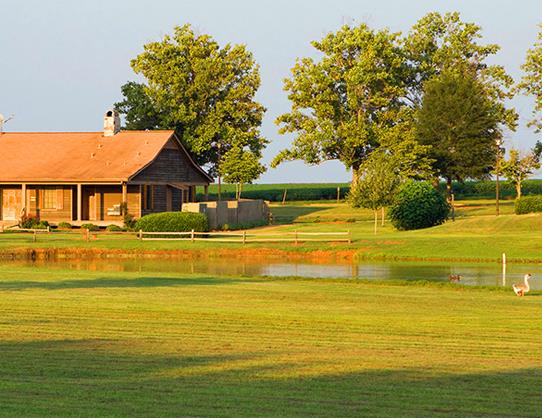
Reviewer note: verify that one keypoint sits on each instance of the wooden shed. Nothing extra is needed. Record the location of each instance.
(81, 177)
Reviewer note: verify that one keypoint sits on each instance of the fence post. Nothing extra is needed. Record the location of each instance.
(350, 236)
(34, 237)
(338, 194)
(1, 227)
(140, 234)
(48, 229)
(87, 234)
(284, 196)
(244, 237)
(503, 269)
(192, 235)
(295, 239)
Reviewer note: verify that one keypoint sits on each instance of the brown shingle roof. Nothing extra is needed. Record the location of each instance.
(77, 156)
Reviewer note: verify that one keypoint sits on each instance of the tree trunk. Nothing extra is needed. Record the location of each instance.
(240, 190)
(376, 219)
(383, 215)
(355, 178)
(518, 190)
(449, 197)
(236, 191)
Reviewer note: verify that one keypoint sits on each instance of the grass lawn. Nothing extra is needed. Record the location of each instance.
(123, 344)
(477, 234)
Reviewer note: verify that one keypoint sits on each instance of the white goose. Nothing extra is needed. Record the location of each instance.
(521, 288)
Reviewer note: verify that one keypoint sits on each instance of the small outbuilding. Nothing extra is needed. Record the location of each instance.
(81, 177)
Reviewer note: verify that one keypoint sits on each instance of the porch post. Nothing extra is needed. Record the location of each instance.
(79, 201)
(23, 198)
(124, 206)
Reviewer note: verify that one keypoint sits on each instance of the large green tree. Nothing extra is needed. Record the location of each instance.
(531, 82)
(443, 42)
(348, 102)
(203, 90)
(460, 122)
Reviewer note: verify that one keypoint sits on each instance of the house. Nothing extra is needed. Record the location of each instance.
(81, 177)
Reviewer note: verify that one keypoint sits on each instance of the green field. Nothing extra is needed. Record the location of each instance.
(125, 344)
(477, 234)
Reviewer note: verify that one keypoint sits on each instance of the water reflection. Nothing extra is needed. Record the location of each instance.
(487, 274)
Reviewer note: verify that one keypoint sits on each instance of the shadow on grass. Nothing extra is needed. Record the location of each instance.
(290, 213)
(114, 283)
(101, 378)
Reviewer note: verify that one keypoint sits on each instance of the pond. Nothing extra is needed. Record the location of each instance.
(480, 274)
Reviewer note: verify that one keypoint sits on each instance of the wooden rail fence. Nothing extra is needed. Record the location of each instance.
(245, 238)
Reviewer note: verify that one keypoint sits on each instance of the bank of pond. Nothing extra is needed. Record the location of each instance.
(471, 274)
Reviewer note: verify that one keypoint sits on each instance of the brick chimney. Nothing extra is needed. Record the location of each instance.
(111, 123)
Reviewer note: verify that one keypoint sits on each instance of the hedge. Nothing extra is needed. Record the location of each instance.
(173, 222)
(528, 204)
(328, 191)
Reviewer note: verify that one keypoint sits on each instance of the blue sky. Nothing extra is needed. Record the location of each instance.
(62, 62)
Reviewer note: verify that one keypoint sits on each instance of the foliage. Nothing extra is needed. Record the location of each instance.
(138, 108)
(531, 82)
(460, 123)
(32, 222)
(528, 204)
(173, 222)
(204, 91)
(442, 42)
(350, 102)
(91, 227)
(240, 166)
(113, 228)
(418, 205)
(377, 185)
(128, 219)
(65, 225)
(244, 225)
(518, 168)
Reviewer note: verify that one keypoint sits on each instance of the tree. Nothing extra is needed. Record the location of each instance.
(531, 82)
(460, 121)
(378, 182)
(202, 90)
(518, 168)
(438, 43)
(346, 103)
(240, 166)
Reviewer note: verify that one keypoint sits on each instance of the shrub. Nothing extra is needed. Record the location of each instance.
(65, 225)
(90, 227)
(418, 205)
(173, 222)
(113, 228)
(528, 204)
(31, 222)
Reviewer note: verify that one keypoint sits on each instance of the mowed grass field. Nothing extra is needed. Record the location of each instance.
(82, 343)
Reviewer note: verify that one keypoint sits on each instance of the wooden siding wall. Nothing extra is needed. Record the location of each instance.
(171, 166)
(35, 203)
(106, 197)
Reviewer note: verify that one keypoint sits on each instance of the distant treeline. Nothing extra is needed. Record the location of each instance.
(328, 191)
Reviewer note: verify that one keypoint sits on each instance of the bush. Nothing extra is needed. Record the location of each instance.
(113, 228)
(418, 205)
(31, 222)
(528, 204)
(65, 225)
(173, 222)
(90, 227)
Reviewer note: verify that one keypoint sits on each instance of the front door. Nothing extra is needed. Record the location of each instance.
(12, 204)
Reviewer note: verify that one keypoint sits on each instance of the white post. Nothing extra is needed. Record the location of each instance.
(503, 269)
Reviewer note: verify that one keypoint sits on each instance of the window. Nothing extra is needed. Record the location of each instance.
(53, 198)
(49, 199)
(148, 197)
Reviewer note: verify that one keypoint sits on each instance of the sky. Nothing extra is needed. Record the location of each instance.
(62, 62)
